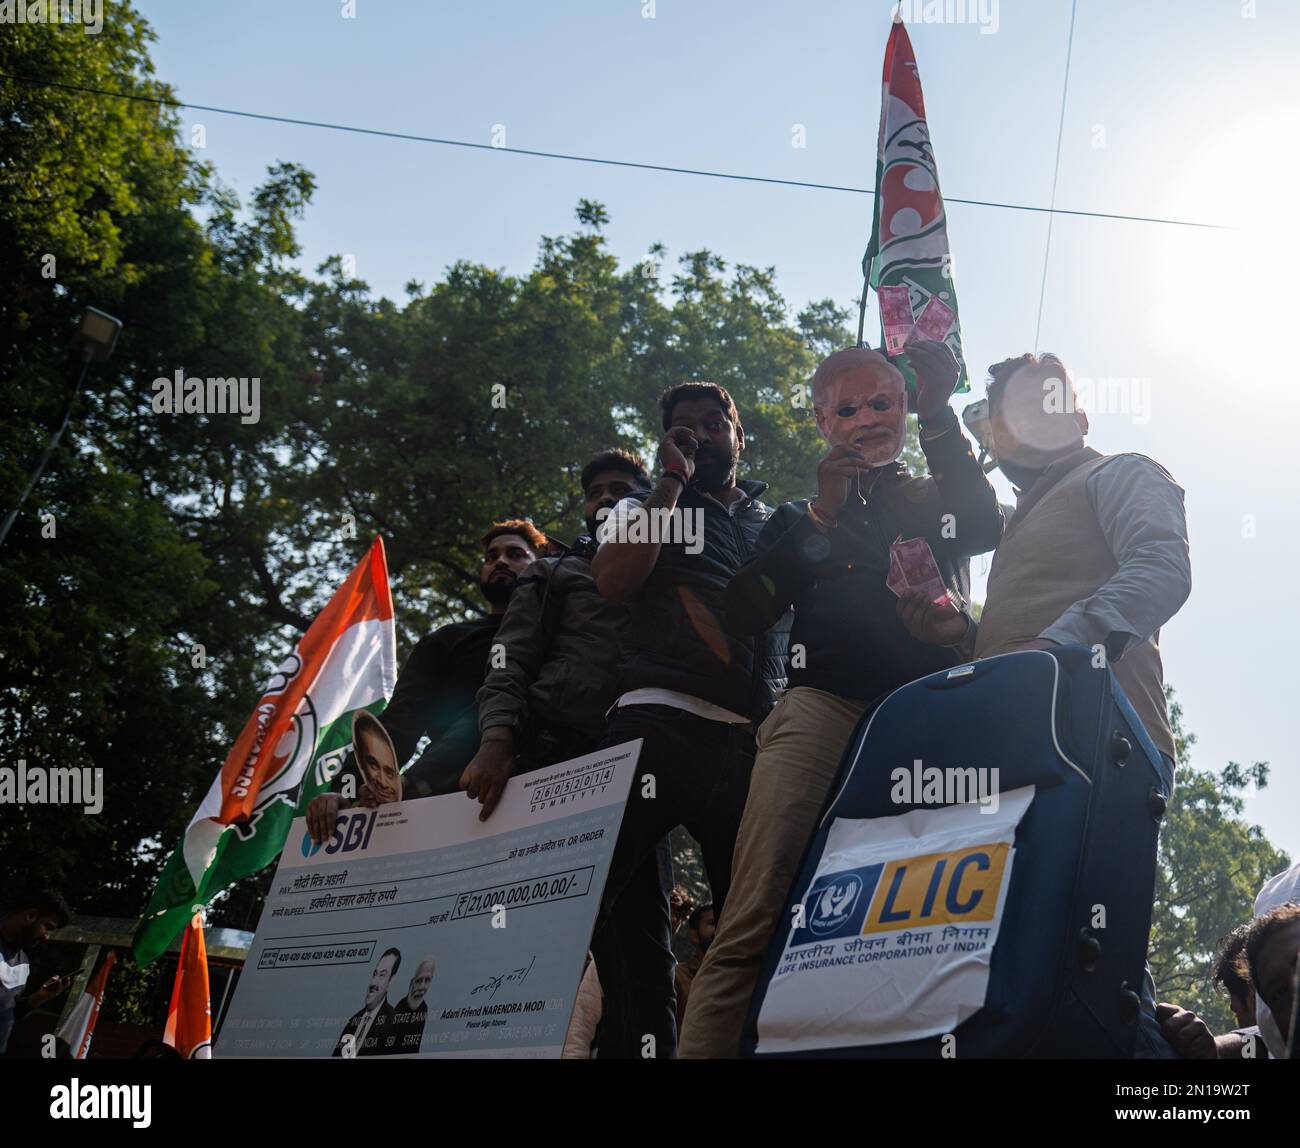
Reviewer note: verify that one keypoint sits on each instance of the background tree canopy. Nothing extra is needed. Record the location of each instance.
(174, 532)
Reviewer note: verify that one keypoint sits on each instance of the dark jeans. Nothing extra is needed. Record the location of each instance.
(700, 770)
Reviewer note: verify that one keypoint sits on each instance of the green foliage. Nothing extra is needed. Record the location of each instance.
(158, 521)
(139, 994)
(1211, 866)
(688, 866)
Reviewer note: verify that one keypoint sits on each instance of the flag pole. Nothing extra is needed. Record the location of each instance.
(862, 311)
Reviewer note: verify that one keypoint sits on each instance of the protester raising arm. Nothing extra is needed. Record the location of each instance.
(796, 538)
(964, 492)
(620, 568)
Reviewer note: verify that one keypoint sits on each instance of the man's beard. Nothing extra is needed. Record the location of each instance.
(497, 590)
(713, 472)
(1022, 477)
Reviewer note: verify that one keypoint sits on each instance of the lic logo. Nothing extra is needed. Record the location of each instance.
(834, 904)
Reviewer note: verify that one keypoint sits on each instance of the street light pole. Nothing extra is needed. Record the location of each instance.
(98, 336)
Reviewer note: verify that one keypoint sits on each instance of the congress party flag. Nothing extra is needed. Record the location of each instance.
(294, 743)
(909, 235)
(79, 1025)
(189, 1016)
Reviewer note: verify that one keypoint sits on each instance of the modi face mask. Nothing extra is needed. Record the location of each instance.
(865, 406)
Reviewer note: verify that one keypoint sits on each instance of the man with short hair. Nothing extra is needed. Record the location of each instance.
(1233, 976)
(545, 701)
(371, 1028)
(1280, 889)
(1272, 949)
(1095, 553)
(692, 690)
(435, 691)
(1190, 1036)
(25, 925)
(828, 558)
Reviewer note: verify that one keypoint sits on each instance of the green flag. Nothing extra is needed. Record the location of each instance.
(909, 233)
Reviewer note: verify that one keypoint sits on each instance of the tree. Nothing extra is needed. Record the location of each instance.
(1211, 865)
(188, 552)
(146, 537)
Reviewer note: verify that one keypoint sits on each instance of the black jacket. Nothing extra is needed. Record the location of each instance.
(435, 696)
(560, 640)
(678, 638)
(847, 638)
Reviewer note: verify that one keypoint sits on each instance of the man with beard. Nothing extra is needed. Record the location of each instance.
(30, 918)
(411, 1011)
(371, 1028)
(435, 690)
(546, 700)
(828, 558)
(692, 690)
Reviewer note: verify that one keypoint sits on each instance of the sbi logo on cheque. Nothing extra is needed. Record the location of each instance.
(960, 886)
(351, 831)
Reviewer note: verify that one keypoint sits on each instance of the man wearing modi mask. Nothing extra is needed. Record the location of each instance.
(828, 559)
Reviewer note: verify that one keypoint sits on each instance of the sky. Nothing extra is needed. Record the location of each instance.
(1178, 109)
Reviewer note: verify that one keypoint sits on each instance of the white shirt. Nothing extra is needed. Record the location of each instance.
(15, 968)
(364, 1028)
(654, 696)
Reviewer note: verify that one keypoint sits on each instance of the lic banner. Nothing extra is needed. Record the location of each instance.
(893, 937)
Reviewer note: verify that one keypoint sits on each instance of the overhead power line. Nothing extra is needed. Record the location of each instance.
(269, 118)
(1056, 172)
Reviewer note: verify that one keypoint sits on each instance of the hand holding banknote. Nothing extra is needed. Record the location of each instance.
(930, 621)
(926, 607)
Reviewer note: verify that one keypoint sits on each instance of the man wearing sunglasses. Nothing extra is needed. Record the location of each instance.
(828, 558)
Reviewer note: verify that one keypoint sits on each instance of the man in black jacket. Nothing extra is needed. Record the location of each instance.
(828, 558)
(546, 698)
(435, 692)
(692, 688)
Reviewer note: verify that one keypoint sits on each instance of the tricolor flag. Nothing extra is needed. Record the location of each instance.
(909, 234)
(189, 1016)
(292, 746)
(79, 1026)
